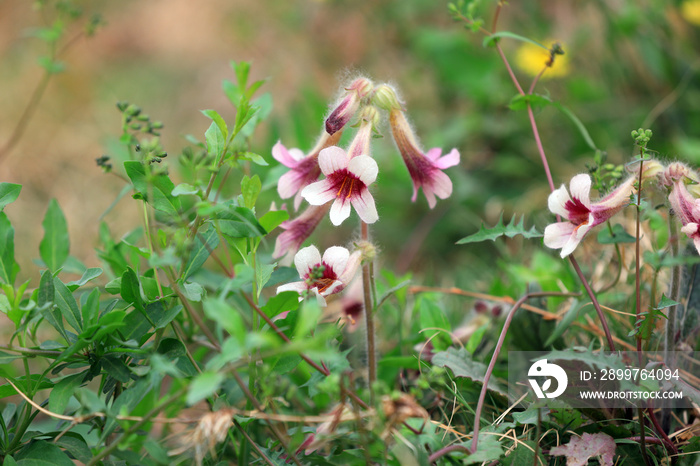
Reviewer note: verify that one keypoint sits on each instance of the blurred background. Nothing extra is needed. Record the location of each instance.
(627, 64)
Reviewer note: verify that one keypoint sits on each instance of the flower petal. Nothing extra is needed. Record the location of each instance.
(306, 259)
(440, 184)
(336, 287)
(429, 195)
(581, 189)
(287, 157)
(557, 235)
(449, 160)
(365, 168)
(336, 257)
(340, 210)
(365, 206)
(288, 184)
(332, 159)
(557, 202)
(576, 237)
(318, 193)
(299, 287)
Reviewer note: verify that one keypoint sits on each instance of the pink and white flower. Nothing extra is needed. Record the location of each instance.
(323, 276)
(304, 169)
(687, 209)
(346, 184)
(297, 231)
(425, 169)
(580, 213)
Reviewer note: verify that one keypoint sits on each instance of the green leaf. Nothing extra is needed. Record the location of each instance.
(206, 241)
(476, 338)
(520, 101)
(263, 272)
(9, 192)
(220, 123)
(239, 222)
(160, 316)
(250, 189)
(154, 189)
(282, 302)
(257, 159)
(215, 142)
(488, 40)
(8, 266)
(67, 305)
(226, 316)
(273, 219)
(498, 230)
(462, 365)
(130, 289)
(91, 309)
(309, 313)
(175, 352)
(184, 189)
(54, 247)
(665, 302)
(116, 368)
(90, 274)
(570, 316)
(6, 358)
(42, 453)
(62, 391)
(618, 235)
(74, 444)
(204, 385)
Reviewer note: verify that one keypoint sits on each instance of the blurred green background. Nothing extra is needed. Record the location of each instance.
(628, 64)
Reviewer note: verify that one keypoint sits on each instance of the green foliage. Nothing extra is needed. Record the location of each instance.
(510, 230)
(182, 320)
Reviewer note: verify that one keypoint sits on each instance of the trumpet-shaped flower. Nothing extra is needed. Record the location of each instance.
(297, 231)
(346, 183)
(580, 213)
(425, 169)
(323, 276)
(304, 169)
(687, 209)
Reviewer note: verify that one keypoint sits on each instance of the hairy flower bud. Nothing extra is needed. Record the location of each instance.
(348, 106)
(385, 97)
(360, 144)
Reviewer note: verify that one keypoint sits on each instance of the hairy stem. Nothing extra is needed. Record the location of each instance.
(369, 319)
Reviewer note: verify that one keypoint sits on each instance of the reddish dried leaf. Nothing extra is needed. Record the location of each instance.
(580, 449)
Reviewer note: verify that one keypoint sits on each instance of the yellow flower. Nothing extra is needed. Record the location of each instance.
(690, 11)
(532, 59)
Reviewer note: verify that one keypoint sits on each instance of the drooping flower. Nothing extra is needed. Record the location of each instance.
(346, 183)
(297, 231)
(350, 103)
(684, 205)
(580, 213)
(425, 169)
(304, 169)
(323, 276)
